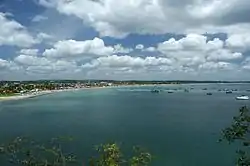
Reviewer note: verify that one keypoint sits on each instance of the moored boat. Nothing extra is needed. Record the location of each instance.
(155, 91)
(243, 97)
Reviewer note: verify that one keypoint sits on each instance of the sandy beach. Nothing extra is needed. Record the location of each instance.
(24, 96)
(39, 93)
(45, 92)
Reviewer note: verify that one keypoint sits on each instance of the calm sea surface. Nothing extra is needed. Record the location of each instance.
(179, 129)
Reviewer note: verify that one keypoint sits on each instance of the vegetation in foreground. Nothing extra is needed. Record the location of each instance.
(23, 151)
(239, 132)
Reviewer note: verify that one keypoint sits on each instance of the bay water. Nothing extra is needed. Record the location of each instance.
(179, 129)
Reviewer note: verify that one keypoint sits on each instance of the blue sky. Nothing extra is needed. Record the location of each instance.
(136, 39)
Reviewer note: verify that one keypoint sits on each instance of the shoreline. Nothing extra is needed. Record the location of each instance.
(46, 92)
(32, 95)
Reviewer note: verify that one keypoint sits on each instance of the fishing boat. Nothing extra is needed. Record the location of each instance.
(209, 93)
(243, 97)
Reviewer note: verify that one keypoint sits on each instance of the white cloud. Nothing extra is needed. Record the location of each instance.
(150, 49)
(28, 60)
(3, 64)
(13, 33)
(118, 48)
(216, 66)
(246, 64)
(69, 48)
(115, 61)
(43, 36)
(120, 18)
(214, 44)
(195, 49)
(190, 42)
(239, 41)
(139, 47)
(33, 52)
(38, 18)
(224, 54)
(33, 64)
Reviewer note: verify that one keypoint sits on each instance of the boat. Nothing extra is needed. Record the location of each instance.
(242, 97)
(186, 90)
(155, 91)
(170, 92)
(209, 94)
(228, 92)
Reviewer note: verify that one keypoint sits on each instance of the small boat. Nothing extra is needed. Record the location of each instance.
(155, 91)
(209, 94)
(204, 89)
(243, 97)
(186, 90)
(170, 92)
(228, 92)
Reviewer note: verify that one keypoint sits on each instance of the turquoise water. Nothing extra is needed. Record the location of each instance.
(179, 129)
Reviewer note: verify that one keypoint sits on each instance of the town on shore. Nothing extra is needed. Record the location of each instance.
(17, 88)
(12, 88)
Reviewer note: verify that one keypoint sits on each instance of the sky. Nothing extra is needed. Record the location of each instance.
(125, 39)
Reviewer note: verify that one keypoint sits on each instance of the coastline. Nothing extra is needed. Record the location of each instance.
(46, 92)
(31, 95)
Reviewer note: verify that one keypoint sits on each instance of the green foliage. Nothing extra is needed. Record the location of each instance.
(240, 131)
(23, 151)
(140, 158)
(110, 155)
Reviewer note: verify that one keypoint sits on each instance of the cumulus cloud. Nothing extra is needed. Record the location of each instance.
(69, 48)
(43, 36)
(29, 51)
(195, 49)
(150, 49)
(224, 54)
(13, 33)
(38, 18)
(115, 61)
(190, 54)
(120, 18)
(239, 41)
(139, 47)
(216, 66)
(246, 64)
(33, 64)
(118, 48)
(3, 64)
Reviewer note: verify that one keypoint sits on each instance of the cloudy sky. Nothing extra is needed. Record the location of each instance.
(125, 39)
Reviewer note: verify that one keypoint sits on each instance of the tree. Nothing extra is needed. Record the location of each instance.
(239, 132)
(23, 151)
